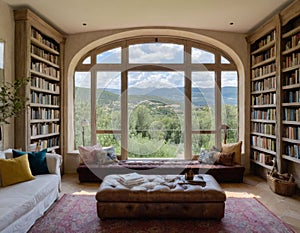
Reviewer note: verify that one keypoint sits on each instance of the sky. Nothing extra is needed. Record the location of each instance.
(156, 53)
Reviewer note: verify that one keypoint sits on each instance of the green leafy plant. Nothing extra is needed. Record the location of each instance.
(11, 102)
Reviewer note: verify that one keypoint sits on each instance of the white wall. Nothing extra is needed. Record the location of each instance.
(7, 32)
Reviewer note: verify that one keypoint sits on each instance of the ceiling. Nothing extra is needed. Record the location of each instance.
(68, 16)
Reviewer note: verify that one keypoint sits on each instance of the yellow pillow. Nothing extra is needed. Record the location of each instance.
(15, 170)
(233, 148)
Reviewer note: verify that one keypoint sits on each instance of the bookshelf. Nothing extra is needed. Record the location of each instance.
(291, 89)
(263, 98)
(39, 55)
(275, 92)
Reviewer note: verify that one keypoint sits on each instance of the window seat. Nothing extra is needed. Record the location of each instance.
(96, 173)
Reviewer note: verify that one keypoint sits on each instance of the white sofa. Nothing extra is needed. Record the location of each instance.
(23, 203)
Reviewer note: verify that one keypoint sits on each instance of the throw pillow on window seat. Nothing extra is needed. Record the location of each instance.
(225, 159)
(37, 161)
(97, 154)
(233, 148)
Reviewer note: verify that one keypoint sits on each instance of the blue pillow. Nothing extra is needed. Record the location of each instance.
(37, 161)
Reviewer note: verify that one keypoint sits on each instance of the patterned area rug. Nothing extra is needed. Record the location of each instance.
(77, 213)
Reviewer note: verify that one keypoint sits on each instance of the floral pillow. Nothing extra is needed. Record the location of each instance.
(88, 154)
(97, 154)
(208, 157)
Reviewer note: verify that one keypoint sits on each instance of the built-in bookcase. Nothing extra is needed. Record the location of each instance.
(39, 55)
(275, 90)
(263, 99)
(291, 89)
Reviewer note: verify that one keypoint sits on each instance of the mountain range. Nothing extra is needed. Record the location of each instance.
(200, 96)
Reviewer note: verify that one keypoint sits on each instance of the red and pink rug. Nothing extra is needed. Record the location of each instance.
(77, 213)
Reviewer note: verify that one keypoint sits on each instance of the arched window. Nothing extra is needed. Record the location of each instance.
(155, 98)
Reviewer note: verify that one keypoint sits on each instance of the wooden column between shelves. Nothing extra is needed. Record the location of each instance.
(278, 96)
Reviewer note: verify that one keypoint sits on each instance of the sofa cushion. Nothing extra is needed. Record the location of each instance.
(37, 161)
(233, 148)
(15, 170)
(21, 204)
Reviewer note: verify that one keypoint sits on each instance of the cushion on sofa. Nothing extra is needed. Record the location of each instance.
(15, 170)
(233, 148)
(37, 161)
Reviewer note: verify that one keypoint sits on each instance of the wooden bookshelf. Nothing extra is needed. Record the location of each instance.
(291, 89)
(263, 97)
(39, 55)
(275, 90)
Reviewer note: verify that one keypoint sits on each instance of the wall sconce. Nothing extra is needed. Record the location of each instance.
(84, 123)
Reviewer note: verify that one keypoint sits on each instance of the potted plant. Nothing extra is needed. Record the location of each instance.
(11, 102)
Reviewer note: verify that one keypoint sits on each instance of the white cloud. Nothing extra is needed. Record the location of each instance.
(156, 53)
(156, 79)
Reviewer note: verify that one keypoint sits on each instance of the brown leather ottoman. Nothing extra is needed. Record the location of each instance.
(160, 196)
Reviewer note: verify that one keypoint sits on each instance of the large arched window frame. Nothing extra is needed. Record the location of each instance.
(88, 63)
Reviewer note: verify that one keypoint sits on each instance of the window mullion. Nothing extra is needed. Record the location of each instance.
(187, 103)
(94, 107)
(218, 101)
(124, 102)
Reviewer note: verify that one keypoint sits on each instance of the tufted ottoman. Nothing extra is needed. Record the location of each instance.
(160, 196)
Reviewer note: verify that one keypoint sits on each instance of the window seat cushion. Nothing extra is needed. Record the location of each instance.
(222, 173)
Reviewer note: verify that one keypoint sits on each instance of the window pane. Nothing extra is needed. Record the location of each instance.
(156, 53)
(87, 60)
(108, 104)
(155, 113)
(114, 140)
(203, 100)
(224, 60)
(205, 141)
(202, 56)
(229, 86)
(112, 56)
(82, 108)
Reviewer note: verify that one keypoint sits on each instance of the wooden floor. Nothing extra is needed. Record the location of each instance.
(286, 208)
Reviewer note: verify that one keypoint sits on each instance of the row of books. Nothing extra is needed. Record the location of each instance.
(265, 84)
(291, 114)
(45, 128)
(261, 99)
(45, 69)
(44, 113)
(43, 39)
(263, 70)
(263, 56)
(291, 132)
(262, 142)
(42, 98)
(269, 114)
(264, 40)
(291, 60)
(291, 96)
(50, 142)
(292, 150)
(263, 128)
(44, 84)
(262, 157)
(44, 54)
(292, 42)
(292, 78)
